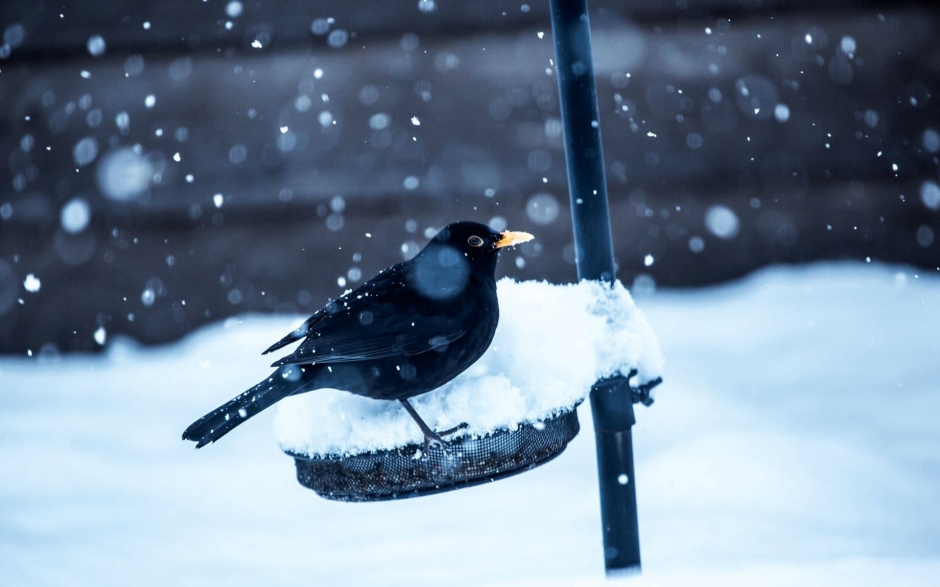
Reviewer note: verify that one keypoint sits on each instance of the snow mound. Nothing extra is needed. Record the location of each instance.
(553, 342)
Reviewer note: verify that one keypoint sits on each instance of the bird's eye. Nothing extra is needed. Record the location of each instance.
(475, 241)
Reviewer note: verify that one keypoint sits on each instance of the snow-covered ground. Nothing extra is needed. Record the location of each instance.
(795, 441)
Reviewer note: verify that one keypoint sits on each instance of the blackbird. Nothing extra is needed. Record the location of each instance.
(407, 331)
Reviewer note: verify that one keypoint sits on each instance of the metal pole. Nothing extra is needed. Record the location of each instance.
(611, 400)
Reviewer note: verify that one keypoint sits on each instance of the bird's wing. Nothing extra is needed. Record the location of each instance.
(298, 333)
(381, 319)
(384, 281)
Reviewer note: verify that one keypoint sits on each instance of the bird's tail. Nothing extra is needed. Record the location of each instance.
(225, 418)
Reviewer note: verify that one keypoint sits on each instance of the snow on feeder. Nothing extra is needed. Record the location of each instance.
(517, 402)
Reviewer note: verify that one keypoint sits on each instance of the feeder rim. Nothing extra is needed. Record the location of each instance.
(447, 487)
(382, 451)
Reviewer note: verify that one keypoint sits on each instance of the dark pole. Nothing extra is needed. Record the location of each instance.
(611, 400)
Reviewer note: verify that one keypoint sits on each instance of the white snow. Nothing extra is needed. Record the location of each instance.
(75, 215)
(931, 140)
(722, 222)
(337, 38)
(85, 151)
(930, 195)
(32, 284)
(96, 45)
(542, 208)
(234, 9)
(552, 343)
(320, 26)
(123, 174)
(848, 45)
(148, 296)
(794, 442)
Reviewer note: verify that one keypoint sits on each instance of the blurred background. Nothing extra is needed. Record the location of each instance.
(167, 165)
(181, 182)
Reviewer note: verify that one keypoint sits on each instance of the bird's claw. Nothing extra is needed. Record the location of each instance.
(434, 440)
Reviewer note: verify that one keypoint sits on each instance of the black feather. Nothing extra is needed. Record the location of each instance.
(407, 331)
(227, 417)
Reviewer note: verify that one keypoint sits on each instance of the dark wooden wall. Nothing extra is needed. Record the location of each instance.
(781, 120)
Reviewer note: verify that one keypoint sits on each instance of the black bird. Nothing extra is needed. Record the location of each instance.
(407, 331)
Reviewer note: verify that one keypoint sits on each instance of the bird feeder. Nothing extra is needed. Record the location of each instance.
(409, 471)
(466, 461)
(469, 461)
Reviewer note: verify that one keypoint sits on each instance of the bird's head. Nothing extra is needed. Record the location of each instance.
(477, 240)
(442, 269)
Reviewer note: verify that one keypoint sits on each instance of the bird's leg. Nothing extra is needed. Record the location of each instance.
(430, 437)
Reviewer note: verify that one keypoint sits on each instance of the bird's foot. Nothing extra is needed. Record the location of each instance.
(435, 440)
(431, 438)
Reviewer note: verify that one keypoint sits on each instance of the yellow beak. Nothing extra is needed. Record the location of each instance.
(510, 238)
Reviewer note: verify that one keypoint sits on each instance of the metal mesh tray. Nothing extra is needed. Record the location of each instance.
(398, 474)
